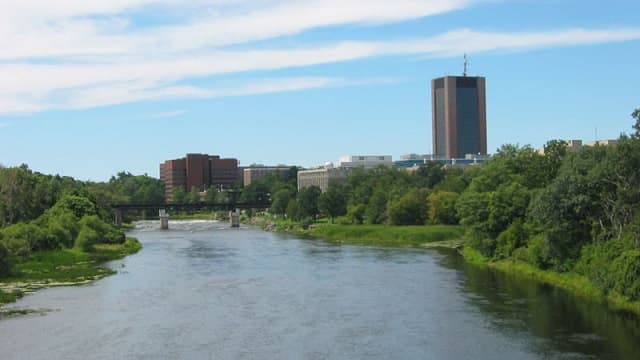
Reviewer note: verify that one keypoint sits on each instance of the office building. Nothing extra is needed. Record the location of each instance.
(256, 173)
(459, 116)
(322, 177)
(199, 171)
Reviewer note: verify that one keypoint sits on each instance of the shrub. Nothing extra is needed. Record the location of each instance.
(5, 265)
(625, 273)
(86, 239)
(512, 238)
(539, 250)
(20, 239)
(79, 205)
(94, 231)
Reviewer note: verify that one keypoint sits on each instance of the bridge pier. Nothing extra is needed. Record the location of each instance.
(118, 218)
(164, 219)
(234, 218)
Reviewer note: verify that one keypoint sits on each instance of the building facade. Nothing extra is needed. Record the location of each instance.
(252, 174)
(366, 161)
(322, 177)
(199, 171)
(459, 116)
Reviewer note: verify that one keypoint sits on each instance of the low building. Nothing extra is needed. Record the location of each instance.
(602, 142)
(366, 161)
(257, 173)
(322, 177)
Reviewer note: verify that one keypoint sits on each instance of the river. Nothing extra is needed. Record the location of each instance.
(205, 291)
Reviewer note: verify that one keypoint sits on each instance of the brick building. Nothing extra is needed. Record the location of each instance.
(197, 170)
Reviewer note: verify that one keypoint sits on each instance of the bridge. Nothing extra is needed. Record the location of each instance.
(232, 207)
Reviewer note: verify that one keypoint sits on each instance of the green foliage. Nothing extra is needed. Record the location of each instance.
(78, 205)
(356, 213)
(293, 210)
(180, 196)
(94, 231)
(211, 195)
(540, 252)
(5, 265)
(410, 209)
(429, 175)
(376, 212)
(626, 271)
(281, 200)
(509, 240)
(194, 196)
(333, 202)
(20, 239)
(636, 116)
(308, 202)
(387, 235)
(442, 207)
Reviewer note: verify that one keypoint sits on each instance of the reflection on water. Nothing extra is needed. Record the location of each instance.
(563, 323)
(204, 291)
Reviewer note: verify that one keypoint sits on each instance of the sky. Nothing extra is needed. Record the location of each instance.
(90, 88)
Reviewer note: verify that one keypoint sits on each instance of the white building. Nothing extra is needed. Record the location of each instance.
(321, 177)
(366, 161)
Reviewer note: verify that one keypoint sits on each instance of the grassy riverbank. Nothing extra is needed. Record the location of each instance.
(62, 268)
(570, 281)
(373, 235)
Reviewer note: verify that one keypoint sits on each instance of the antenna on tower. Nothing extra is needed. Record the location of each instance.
(466, 62)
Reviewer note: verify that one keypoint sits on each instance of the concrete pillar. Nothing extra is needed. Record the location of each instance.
(118, 219)
(234, 218)
(164, 219)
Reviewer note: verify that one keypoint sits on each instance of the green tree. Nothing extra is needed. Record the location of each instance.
(179, 195)
(333, 202)
(293, 210)
(211, 195)
(194, 196)
(281, 200)
(376, 212)
(356, 213)
(636, 116)
(5, 265)
(442, 207)
(410, 209)
(430, 174)
(308, 202)
(78, 205)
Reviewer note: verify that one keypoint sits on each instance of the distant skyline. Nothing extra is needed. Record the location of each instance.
(90, 88)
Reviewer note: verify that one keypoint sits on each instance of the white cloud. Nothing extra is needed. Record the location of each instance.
(167, 114)
(99, 27)
(83, 54)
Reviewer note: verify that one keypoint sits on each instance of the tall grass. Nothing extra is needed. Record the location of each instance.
(386, 235)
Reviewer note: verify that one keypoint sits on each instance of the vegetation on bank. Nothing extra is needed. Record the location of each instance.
(61, 267)
(44, 244)
(570, 213)
(570, 281)
(373, 235)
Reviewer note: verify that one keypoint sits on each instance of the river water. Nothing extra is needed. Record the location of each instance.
(204, 291)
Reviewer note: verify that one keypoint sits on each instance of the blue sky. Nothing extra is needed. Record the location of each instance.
(93, 87)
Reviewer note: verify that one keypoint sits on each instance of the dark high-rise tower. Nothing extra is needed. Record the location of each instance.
(459, 116)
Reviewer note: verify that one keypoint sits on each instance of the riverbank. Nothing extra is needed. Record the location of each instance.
(370, 235)
(63, 267)
(569, 281)
(446, 237)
